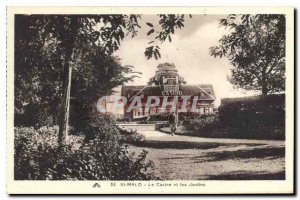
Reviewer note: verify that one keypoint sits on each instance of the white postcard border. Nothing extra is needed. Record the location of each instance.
(153, 187)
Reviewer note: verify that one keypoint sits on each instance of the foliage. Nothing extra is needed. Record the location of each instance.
(49, 46)
(261, 117)
(97, 74)
(204, 123)
(48, 49)
(255, 47)
(131, 136)
(97, 125)
(37, 157)
(39, 73)
(256, 112)
(85, 119)
(168, 25)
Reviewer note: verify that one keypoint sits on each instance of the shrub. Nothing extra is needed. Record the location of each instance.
(205, 122)
(253, 112)
(37, 157)
(131, 136)
(259, 117)
(34, 114)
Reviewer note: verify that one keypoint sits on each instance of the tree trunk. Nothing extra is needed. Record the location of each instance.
(68, 42)
(264, 89)
(65, 107)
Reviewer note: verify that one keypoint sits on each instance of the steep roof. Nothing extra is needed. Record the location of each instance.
(131, 89)
(204, 91)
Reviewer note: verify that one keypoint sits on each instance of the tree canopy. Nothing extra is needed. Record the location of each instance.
(255, 47)
(40, 73)
(49, 48)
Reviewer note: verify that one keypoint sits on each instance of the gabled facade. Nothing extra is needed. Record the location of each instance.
(167, 85)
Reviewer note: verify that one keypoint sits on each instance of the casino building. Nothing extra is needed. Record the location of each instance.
(167, 83)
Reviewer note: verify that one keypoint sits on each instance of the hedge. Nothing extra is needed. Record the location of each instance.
(258, 117)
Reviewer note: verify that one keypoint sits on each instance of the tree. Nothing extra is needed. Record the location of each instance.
(39, 71)
(255, 47)
(38, 75)
(69, 35)
(97, 75)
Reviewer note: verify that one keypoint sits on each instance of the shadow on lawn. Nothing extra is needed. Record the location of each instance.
(184, 145)
(267, 152)
(247, 175)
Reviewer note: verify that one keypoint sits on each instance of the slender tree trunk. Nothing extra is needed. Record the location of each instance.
(65, 107)
(68, 44)
(264, 88)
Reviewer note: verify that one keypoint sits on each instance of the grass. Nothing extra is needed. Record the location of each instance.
(175, 145)
(224, 133)
(215, 161)
(274, 152)
(249, 175)
(183, 144)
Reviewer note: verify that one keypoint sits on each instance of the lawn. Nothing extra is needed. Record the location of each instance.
(215, 161)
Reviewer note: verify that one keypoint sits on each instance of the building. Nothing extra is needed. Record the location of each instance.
(168, 85)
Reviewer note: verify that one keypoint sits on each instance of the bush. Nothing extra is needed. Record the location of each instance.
(36, 152)
(253, 112)
(206, 122)
(259, 117)
(36, 115)
(37, 157)
(131, 136)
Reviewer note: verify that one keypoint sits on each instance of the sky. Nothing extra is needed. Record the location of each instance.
(188, 50)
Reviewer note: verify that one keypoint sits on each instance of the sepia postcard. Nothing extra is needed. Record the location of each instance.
(150, 100)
